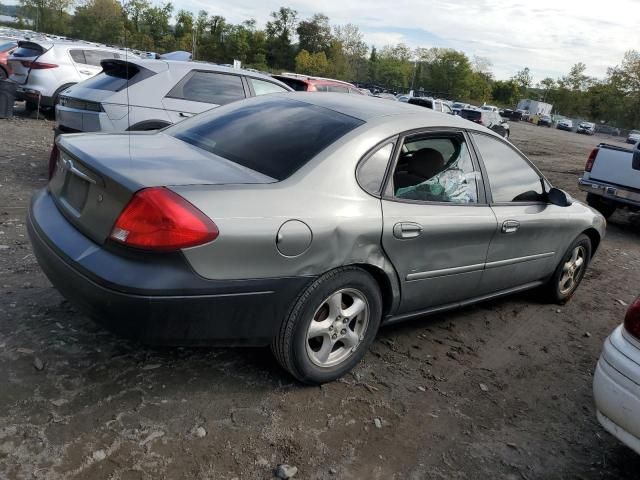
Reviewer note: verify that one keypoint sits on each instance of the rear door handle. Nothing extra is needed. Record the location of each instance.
(185, 115)
(86, 72)
(510, 226)
(407, 230)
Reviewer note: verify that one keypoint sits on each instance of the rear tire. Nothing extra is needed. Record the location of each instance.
(330, 326)
(569, 272)
(602, 206)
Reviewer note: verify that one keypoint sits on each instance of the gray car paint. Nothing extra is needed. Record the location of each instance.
(459, 260)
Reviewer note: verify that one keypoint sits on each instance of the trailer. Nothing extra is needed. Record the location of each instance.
(535, 107)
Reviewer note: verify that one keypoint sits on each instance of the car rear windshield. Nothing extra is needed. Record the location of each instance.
(28, 51)
(117, 75)
(7, 46)
(471, 114)
(274, 136)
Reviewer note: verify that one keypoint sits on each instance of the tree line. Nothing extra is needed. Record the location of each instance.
(314, 46)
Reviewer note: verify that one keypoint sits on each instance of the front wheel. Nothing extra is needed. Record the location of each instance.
(330, 326)
(570, 272)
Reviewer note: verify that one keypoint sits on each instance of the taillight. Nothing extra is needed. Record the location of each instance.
(632, 319)
(591, 160)
(53, 159)
(158, 219)
(37, 65)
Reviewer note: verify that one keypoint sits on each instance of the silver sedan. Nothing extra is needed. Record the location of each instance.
(304, 222)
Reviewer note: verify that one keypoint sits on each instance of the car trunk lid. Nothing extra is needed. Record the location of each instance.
(96, 175)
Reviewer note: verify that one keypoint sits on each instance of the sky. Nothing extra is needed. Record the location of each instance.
(548, 36)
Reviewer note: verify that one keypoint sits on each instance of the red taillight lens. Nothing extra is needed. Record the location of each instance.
(37, 65)
(591, 160)
(632, 319)
(161, 220)
(53, 160)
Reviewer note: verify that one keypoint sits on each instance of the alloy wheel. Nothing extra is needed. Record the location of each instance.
(338, 327)
(572, 270)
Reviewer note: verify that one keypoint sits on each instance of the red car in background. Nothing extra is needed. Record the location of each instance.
(306, 83)
(6, 47)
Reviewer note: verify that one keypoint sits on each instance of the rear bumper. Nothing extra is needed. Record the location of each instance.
(155, 298)
(616, 389)
(615, 194)
(33, 96)
(69, 120)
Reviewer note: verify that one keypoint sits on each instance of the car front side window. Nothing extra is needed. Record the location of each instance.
(511, 178)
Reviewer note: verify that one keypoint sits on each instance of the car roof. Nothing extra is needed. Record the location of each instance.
(152, 64)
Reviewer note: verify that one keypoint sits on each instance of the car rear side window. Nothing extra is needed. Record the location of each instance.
(272, 136)
(209, 87)
(371, 171)
(511, 178)
(94, 57)
(260, 87)
(77, 56)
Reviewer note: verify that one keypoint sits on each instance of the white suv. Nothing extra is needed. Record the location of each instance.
(137, 94)
(43, 69)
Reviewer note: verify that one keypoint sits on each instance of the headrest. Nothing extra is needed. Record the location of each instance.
(426, 163)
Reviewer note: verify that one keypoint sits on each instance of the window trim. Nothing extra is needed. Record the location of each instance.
(489, 193)
(438, 132)
(193, 71)
(372, 151)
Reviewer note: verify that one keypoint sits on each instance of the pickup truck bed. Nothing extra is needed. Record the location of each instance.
(612, 178)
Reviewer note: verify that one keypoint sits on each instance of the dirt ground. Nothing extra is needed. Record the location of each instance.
(501, 390)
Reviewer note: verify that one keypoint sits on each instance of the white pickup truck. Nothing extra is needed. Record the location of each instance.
(612, 178)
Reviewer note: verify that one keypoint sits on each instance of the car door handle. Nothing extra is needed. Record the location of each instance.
(86, 72)
(185, 115)
(510, 226)
(407, 230)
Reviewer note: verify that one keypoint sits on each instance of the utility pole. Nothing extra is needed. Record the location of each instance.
(415, 68)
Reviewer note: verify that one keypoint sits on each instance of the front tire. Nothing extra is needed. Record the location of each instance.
(570, 272)
(330, 327)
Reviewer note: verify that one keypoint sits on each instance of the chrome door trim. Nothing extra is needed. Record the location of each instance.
(451, 306)
(476, 267)
(512, 261)
(444, 272)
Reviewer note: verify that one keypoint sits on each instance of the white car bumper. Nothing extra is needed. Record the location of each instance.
(616, 388)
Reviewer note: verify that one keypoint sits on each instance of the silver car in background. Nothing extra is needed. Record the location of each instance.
(303, 221)
(137, 94)
(44, 68)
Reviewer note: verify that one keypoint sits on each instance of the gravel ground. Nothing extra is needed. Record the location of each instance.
(501, 390)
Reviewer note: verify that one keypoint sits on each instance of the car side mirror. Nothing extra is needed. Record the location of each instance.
(559, 197)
